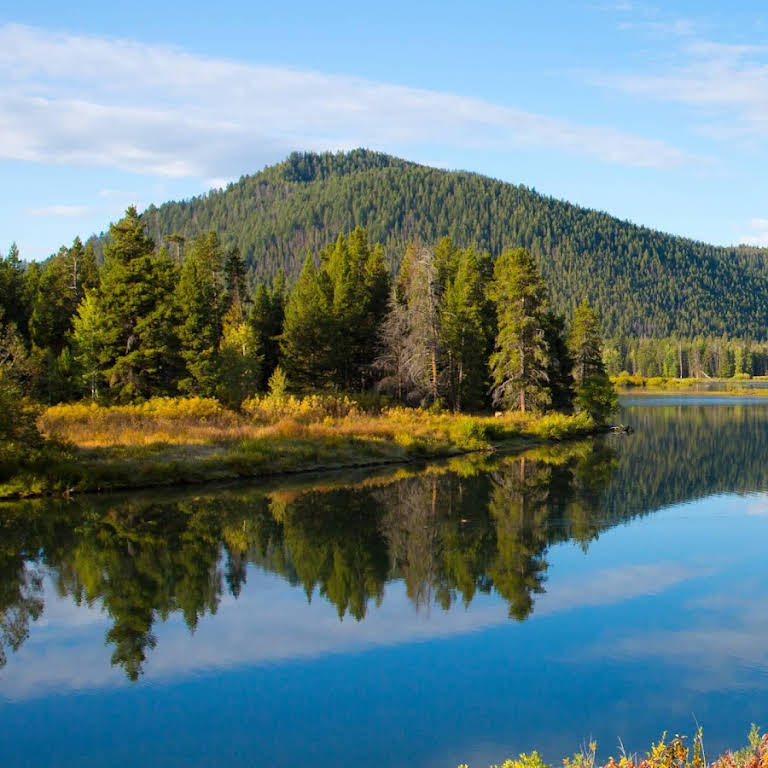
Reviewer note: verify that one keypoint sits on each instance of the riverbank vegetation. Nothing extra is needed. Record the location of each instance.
(666, 753)
(243, 379)
(167, 441)
(737, 385)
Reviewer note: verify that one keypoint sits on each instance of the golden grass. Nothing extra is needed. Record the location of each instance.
(193, 440)
(200, 421)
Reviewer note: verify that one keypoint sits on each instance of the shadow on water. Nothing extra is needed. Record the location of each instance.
(475, 524)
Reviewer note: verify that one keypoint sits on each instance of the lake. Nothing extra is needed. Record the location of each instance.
(463, 611)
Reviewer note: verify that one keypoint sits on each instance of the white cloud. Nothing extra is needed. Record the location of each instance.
(66, 648)
(727, 81)
(758, 235)
(674, 28)
(160, 110)
(59, 210)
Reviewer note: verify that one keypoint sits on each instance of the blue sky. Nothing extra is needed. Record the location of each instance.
(658, 114)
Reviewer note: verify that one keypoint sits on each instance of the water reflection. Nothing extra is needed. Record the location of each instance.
(475, 525)
(448, 532)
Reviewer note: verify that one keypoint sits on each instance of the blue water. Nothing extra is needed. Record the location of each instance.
(634, 568)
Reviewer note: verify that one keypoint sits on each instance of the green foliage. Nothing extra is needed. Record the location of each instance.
(463, 330)
(520, 359)
(135, 299)
(594, 392)
(241, 359)
(306, 338)
(200, 298)
(266, 319)
(278, 384)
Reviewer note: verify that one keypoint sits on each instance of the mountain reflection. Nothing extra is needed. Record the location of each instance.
(475, 524)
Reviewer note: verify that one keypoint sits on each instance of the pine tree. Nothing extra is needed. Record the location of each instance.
(234, 277)
(307, 333)
(266, 319)
(594, 391)
(520, 362)
(462, 332)
(559, 369)
(92, 342)
(13, 294)
(359, 282)
(136, 299)
(199, 295)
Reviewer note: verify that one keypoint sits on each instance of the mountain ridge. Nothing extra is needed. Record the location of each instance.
(643, 281)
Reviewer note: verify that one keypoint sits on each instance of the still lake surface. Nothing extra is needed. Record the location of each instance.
(462, 612)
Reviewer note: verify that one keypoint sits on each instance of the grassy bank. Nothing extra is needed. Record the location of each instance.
(734, 385)
(677, 752)
(168, 441)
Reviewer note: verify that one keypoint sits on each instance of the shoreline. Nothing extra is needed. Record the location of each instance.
(159, 465)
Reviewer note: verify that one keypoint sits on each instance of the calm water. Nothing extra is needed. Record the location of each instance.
(608, 588)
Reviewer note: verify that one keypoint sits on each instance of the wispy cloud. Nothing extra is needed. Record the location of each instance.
(673, 28)
(726, 82)
(758, 234)
(59, 210)
(161, 110)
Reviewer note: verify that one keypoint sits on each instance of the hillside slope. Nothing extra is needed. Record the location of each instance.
(643, 282)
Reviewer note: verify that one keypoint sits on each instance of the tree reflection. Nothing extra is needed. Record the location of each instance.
(447, 532)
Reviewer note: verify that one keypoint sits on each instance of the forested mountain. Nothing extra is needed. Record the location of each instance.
(642, 282)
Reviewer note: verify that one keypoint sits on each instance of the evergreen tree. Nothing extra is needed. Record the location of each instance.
(136, 300)
(559, 369)
(359, 283)
(234, 277)
(267, 317)
(306, 338)
(520, 362)
(199, 295)
(92, 342)
(463, 333)
(13, 294)
(594, 391)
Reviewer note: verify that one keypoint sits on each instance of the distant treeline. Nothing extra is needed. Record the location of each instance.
(455, 328)
(642, 282)
(699, 357)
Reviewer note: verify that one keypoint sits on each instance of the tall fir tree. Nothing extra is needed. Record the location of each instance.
(520, 361)
(594, 392)
(307, 333)
(200, 298)
(266, 319)
(463, 333)
(136, 300)
(560, 365)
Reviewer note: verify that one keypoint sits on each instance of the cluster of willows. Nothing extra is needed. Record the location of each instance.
(454, 328)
